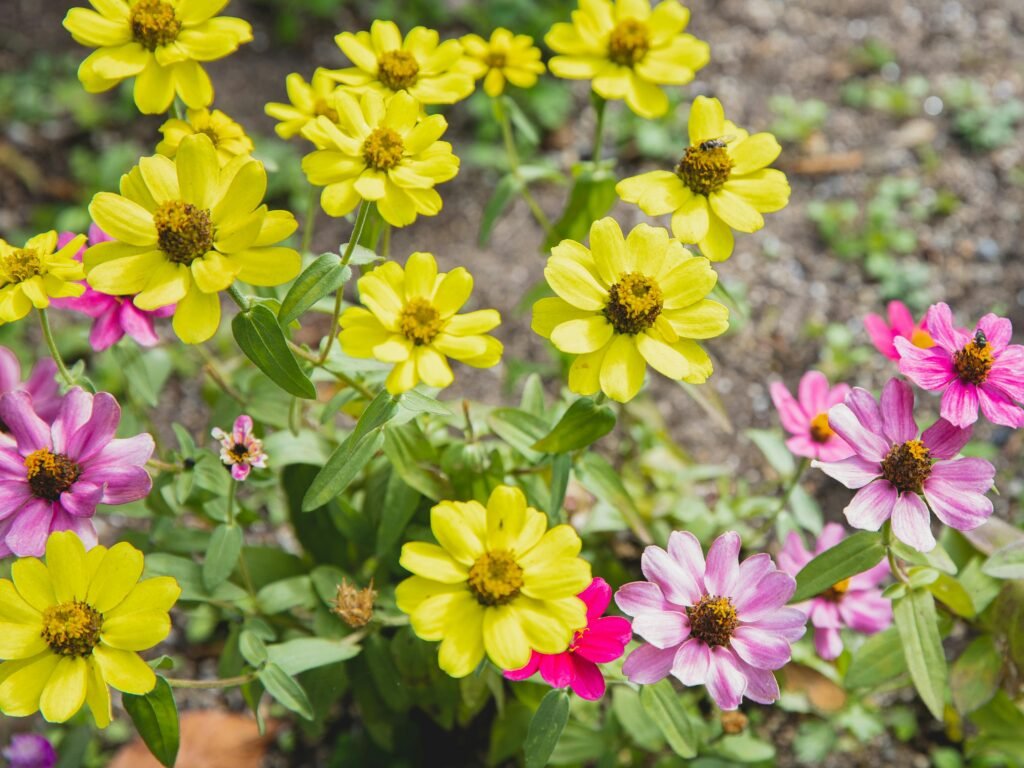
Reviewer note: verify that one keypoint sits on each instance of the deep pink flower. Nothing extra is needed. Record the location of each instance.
(901, 325)
(240, 450)
(604, 639)
(55, 474)
(856, 602)
(723, 624)
(114, 315)
(807, 419)
(41, 386)
(30, 750)
(971, 368)
(894, 468)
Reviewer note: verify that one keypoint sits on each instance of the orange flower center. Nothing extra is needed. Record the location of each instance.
(419, 321)
(184, 231)
(836, 591)
(921, 338)
(907, 466)
(153, 23)
(705, 167)
(22, 264)
(634, 303)
(50, 474)
(820, 430)
(713, 620)
(72, 628)
(495, 578)
(974, 361)
(398, 70)
(628, 43)
(383, 149)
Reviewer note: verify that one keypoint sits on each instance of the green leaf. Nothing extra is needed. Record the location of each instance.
(545, 727)
(561, 469)
(286, 690)
(854, 554)
(221, 555)
(1006, 563)
(263, 342)
(361, 255)
(918, 626)
(662, 704)
(321, 278)
(592, 196)
(580, 426)
(974, 678)
(190, 578)
(519, 429)
(771, 444)
(877, 661)
(947, 589)
(304, 653)
(156, 719)
(400, 503)
(252, 648)
(505, 192)
(417, 402)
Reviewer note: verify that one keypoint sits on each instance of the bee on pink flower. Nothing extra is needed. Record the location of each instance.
(240, 450)
(901, 325)
(806, 418)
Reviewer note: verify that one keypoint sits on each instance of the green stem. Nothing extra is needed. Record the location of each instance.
(501, 115)
(357, 230)
(65, 374)
(791, 486)
(599, 107)
(231, 502)
(309, 224)
(894, 566)
(240, 300)
(225, 682)
(385, 243)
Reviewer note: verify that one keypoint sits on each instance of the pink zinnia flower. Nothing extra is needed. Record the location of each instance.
(856, 602)
(723, 624)
(980, 368)
(807, 419)
(30, 750)
(41, 386)
(114, 315)
(56, 474)
(240, 450)
(604, 639)
(894, 468)
(901, 325)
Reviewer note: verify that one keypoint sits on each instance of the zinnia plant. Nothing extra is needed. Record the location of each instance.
(32, 275)
(308, 101)
(41, 386)
(806, 418)
(240, 449)
(900, 324)
(228, 137)
(505, 58)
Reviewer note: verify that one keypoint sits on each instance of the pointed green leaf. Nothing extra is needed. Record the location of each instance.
(221, 555)
(974, 678)
(287, 691)
(1006, 563)
(263, 342)
(580, 426)
(878, 660)
(321, 278)
(545, 727)
(854, 554)
(156, 719)
(918, 626)
(662, 704)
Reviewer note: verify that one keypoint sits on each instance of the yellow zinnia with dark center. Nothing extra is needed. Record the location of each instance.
(627, 302)
(308, 102)
(720, 183)
(32, 275)
(228, 137)
(505, 58)
(500, 584)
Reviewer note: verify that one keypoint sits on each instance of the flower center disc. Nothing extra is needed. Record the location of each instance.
(72, 629)
(50, 474)
(397, 69)
(628, 43)
(713, 620)
(907, 466)
(820, 430)
(837, 590)
(22, 264)
(153, 23)
(921, 338)
(239, 453)
(634, 303)
(495, 578)
(974, 361)
(496, 60)
(383, 149)
(419, 322)
(184, 231)
(704, 168)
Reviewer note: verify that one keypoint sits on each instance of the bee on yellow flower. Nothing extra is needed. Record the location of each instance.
(32, 275)
(308, 102)
(504, 58)
(228, 137)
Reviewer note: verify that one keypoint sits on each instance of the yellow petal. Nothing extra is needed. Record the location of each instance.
(127, 275)
(717, 244)
(504, 638)
(420, 276)
(662, 357)
(687, 283)
(13, 607)
(753, 153)
(551, 312)
(402, 378)
(23, 682)
(21, 641)
(585, 373)
(432, 562)
(506, 516)
(192, 84)
(155, 594)
(460, 528)
(453, 292)
(32, 580)
(545, 632)
(576, 284)
(735, 211)
(136, 631)
(64, 693)
(97, 696)
(211, 273)
(622, 370)
(707, 120)
(154, 88)
(198, 170)
(561, 543)
(766, 190)
(690, 222)
(462, 649)
(124, 670)
(167, 285)
(702, 320)
(65, 560)
(432, 619)
(116, 576)
(123, 219)
(433, 368)
(267, 266)
(582, 336)
(647, 99)
(472, 323)
(197, 316)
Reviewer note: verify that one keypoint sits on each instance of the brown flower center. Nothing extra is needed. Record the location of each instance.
(705, 167)
(628, 43)
(419, 321)
(820, 430)
(496, 60)
(495, 578)
(383, 149)
(397, 69)
(713, 620)
(72, 628)
(836, 591)
(239, 453)
(907, 466)
(153, 23)
(22, 264)
(974, 361)
(634, 303)
(50, 474)
(184, 231)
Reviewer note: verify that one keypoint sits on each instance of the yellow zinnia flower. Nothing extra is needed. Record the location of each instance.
(627, 302)
(185, 229)
(628, 50)
(228, 137)
(386, 153)
(158, 42)
(72, 627)
(386, 64)
(506, 57)
(499, 583)
(308, 101)
(410, 321)
(721, 181)
(31, 276)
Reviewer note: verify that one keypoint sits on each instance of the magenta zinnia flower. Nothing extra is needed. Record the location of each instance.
(41, 386)
(807, 419)
(55, 475)
(856, 602)
(30, 750)
(901, 325)
(723, 624)
(604, 639)
(894, 468)
(240, 450)
(972, 369)
(114, 315)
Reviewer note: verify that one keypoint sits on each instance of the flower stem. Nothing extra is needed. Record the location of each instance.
(225, 682)
(240, 300)
(599, 107)
(65, 374)
(231, 502)
(894, 566)
(501, 115)
(791, 486)
(309, 223)
(357, 230)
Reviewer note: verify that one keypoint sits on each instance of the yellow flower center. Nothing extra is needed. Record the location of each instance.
(921, 338)
(705, 167)
(495, 578)
(397, 69)
(496, 60)
(634, 303)
(628, 43)
(50, 474)
(820, 430)
(22, 264)
(72, 628)
(836, 591)
(153, 23)
(907, 466)
(419, 321)
(184, 231)
(239, 453)
(713, 620)
(323, 108)
(974, 361)
(383, 149)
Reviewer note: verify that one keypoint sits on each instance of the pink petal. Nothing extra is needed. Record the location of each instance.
(792, 416)
(91, 438)
(828, 643)
(911, 522)
(940, 326)
(675, 581)
(597, 595)
(762, 686)
(880, 335)
(930, 369)
(665, 629)
(943, 440)
(556, 669)
(998, 330)
(898, 411)
(121, 484)
(1008, 372)
(31, 432)
(794, 555)
(998, 408)
(10, 371)
(802, 445)
(588, 682)
(958, 509)
(638, 597)
(12, 464)
(81, 499)
(752, 570)
(865, 408)
(242, 428)
(106, 329)
(866, 612)
(831, 535)
(648, 664)
(871, 506)
(759, 648)
(605, 641)
(686, 550)
(524, 673)
(124, 451)
(813, 392)
(835, 449)
(773, 591)
(853, 472)
(80, 526)
(900, 318)
(726, 682)
(723, 565)
(138, 324)
(789, 623)
(691, 663)
(27, 534)
(959, 475)
(240, 471)
(75, 410)
(825, 614)
(13, 495)
(868, 444)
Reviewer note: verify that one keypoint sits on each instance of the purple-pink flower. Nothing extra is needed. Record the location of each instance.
(856, 602)
(900, 475)
(114, 315)
(41, 386)
(56, 473)
(806, 418)
(972, 369)
(719, 623)
(901, 325)
(603, 640)
(30, 750)
(240, 450)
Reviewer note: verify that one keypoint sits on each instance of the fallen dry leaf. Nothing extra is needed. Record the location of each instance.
(822, 692)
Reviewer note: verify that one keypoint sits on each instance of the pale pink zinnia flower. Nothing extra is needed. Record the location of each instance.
(240, 450)
(806, 419)
(55, 474)
(856, 602)
(723, 624)
(901, 325)
(979, 368)
(900, 474)
(41, 386)
(114, 315)
(603, 640)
